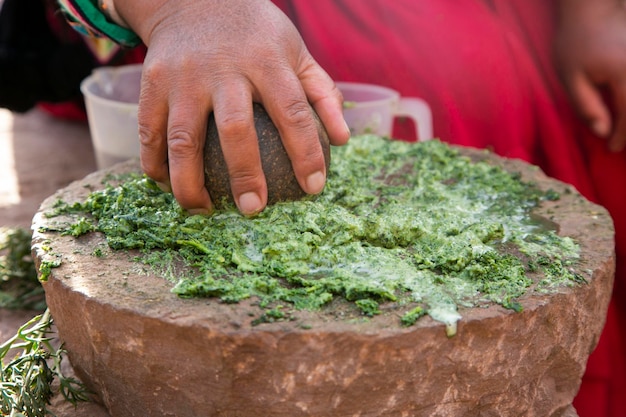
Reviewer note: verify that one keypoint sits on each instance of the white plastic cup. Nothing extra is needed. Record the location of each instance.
(112, 99)
(371, 108)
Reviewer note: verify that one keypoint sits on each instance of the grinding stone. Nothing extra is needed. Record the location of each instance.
(282, 184)
(145, 352)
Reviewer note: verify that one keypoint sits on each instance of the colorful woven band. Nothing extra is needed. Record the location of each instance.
(85, 17)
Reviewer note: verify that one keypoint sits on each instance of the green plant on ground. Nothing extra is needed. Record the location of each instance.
(29, 361)
(26, 380)
(19, 286)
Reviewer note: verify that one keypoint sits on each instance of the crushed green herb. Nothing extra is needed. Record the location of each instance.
(415, 226)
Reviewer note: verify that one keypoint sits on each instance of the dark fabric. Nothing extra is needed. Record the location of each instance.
(35, 65)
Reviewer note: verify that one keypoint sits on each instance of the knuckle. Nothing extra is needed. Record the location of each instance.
(182, 142)
(152, 84)
(312, 160)
(314, 153)
(306, 150)
(246, 178)
(235, 124)
(153, 70)
(298, 113)
(151, 164)
(148, 137)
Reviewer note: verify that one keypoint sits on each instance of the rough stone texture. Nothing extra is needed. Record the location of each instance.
(148, 353)
(282, 184)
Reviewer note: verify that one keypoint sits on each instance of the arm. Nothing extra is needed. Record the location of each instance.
(220, 55)
(590, 53)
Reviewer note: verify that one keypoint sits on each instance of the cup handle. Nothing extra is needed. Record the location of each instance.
(417, 110)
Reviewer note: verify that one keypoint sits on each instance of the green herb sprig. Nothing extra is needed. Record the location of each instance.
(26, 379)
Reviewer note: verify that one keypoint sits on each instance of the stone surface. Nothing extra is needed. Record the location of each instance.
(146, 352)
(282, 184)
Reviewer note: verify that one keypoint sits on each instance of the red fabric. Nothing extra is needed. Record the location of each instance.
(485, 68)
(68, 110)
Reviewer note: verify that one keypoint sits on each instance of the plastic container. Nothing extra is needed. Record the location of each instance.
(371, 108)
(112, 99)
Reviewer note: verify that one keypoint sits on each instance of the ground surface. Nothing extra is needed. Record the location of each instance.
(39, 155)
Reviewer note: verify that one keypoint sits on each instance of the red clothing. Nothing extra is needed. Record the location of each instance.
(485, 68)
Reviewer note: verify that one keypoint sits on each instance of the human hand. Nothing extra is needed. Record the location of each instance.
(221, 56)
(590, 53)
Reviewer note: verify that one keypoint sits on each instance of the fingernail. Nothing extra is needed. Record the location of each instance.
(164, 187)
(347, 128)
(315, 182)
(200, 211)
(250, 203)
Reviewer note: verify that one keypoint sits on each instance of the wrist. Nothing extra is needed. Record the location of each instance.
(142, 15)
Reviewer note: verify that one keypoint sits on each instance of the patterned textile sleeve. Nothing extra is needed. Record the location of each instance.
(87, 18)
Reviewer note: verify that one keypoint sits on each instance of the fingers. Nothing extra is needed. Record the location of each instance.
(327, 101)
(617, 141)
(152, 119)
(239, 142)
(172, 131)
(189, 71)
(593, 108)
(173, 128)
(186, 132)
(589, 102)
(290, 111)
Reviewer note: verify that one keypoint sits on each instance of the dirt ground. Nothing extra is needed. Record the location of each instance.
(39, 155)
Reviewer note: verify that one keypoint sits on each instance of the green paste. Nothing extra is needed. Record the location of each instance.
(411, 228)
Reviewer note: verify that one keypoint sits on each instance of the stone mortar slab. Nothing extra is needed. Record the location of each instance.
(146, 352)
